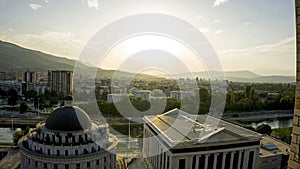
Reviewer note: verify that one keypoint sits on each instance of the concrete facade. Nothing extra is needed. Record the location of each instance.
(294, 160)
(202, 146)
(72, 143)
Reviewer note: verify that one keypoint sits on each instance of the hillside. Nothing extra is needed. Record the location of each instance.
(16, 58)
(240, 76)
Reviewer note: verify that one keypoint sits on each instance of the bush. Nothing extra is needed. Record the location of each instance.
(264, 129)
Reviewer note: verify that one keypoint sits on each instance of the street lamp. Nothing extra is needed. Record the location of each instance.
(129, 118)
(38, 107)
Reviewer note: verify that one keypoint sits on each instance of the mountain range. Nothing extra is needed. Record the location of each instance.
(17, 58)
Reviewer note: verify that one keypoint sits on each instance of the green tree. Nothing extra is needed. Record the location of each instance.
(12, 97)
(23, 107)
(17, 135)
(264, 129)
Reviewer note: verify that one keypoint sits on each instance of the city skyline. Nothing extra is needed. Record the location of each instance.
(261, 41)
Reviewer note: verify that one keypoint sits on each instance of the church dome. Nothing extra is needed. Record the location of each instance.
(68, 118)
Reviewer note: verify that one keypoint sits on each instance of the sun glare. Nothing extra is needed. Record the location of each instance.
(120, 52)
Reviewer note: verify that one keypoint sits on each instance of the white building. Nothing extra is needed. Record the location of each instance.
(179, 95)
(143, 94)
(178, 140)
(117, 97)
(68, 140)
(273, 154)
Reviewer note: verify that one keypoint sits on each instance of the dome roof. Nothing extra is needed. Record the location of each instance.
(69, 97)
(68, 118)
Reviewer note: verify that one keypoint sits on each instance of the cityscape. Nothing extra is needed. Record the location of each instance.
(149, 84)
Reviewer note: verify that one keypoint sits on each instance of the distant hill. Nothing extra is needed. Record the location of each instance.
(240, 76)
(16, 58)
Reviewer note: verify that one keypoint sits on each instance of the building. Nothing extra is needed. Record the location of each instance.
(273, 153)
(294, 160)
(9, 75)
(60, 81)
(31, 78)
(117, 97)
(68, 140)
(143, 94)
(178, 140)
(179, 95)
(20, 87)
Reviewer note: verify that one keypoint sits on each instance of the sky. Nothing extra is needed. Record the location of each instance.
(252, 35)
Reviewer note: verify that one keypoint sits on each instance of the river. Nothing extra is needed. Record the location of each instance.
(282, 123)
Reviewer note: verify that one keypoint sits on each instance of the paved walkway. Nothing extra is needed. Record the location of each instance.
(11, 161)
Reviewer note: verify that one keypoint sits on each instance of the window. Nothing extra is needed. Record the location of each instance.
(48, 151)
(55, 166)
(45, 166)
(181, 164)
(77, 166)
(66, 153)
(104, 159)
(67, 166)
(35, 164)
(97, 162)
(58, 153)
(88, 165)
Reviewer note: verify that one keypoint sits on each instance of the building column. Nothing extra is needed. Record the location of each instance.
(246, 158)
(215, 160)
(255, 159)
(240, 156)
(206, 161)
(223, 160)
(231, 159)
(197, 161)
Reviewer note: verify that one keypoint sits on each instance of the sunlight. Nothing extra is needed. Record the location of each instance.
(131, 46)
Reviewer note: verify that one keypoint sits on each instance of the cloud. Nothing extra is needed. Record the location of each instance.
(46, 1)
(246, 23)
(35, 6)
(279, 56)
(92, 3)
(219, 31)
(204, 30)
(52, 42)
(216, 21)
(283, 47)
(219, 2)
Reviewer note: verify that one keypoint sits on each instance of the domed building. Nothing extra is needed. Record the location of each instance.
(68, 140)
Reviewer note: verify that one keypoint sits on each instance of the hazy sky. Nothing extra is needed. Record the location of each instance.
(255, 35)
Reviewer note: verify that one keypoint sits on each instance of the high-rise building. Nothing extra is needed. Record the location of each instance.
(294, 160)
(31, 76)
(68, 140)
(60, 81)
(178, 140)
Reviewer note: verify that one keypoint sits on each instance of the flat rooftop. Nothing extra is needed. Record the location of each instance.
(180, 128)
(270, 146)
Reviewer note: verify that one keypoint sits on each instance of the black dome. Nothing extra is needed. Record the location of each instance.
(69, 97)
(68, 118)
